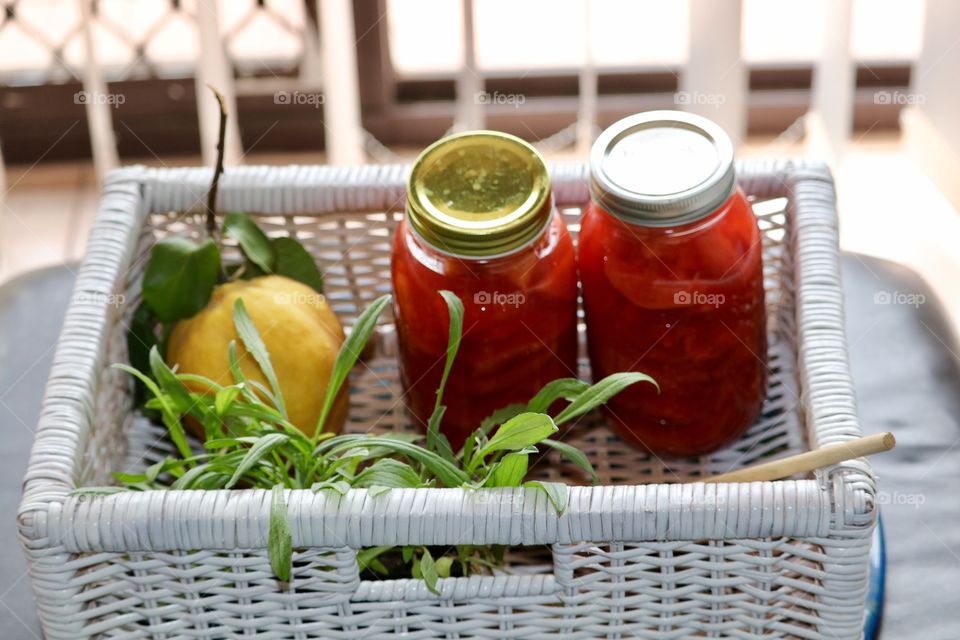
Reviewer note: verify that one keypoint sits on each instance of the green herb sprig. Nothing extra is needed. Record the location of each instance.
(250, 443)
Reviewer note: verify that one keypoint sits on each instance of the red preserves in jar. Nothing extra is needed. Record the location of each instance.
(671, 265)
(481, 223)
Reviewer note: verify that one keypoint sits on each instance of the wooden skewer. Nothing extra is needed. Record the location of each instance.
(816, 459)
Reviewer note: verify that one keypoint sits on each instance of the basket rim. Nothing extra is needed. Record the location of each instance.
(49, 512)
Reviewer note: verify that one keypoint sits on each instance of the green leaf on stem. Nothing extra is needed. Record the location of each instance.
(522, 431)
(455, 311)
(337, 486)
(296, 263)
(368, 559)
(389, 473)
(446, 472)
(566, 388)
(179, 277)
(557, 493)
(279, 540)
(261, 447)
(509, 470)
(501, 415)
(436, 441)
(428, 570)
(225, 397)
(253, 241)
(254, 343)
(600, 392)
(349, 352)
(574, 455)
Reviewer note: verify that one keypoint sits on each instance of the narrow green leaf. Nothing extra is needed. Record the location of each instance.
(521, 431)
(389, 473)
(254, 343)
(428, 569)
(225, 398)
(179, 277)
(171, 385)
(566, 388)
(455, 311)
(154, 470)
(279, 540)
(253, 241)
(367, 557)
(437, 441)
(574, 455)
(557, 493)
(339, 486)
(600, 392)
(169, 413)
(146, 380)
(509, 471)
(446, 472)
(296, 263)
(262, 447)
(349, 352)
(501, 415)
(198, 379)
(129, 478)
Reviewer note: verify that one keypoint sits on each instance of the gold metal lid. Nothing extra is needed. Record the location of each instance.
(479, 194)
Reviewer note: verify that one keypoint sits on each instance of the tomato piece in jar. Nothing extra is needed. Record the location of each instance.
(518, 286)
(675, 291)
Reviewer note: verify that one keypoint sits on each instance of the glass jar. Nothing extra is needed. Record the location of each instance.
(672, 273)
(481, 223)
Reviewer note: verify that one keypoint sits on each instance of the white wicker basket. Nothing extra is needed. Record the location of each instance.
(642, 556)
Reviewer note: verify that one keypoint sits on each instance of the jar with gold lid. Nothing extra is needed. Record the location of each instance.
(481, 222)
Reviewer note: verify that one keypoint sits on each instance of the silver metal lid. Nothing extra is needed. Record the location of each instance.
(662, 168)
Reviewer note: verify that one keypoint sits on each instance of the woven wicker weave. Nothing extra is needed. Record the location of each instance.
(643, 556)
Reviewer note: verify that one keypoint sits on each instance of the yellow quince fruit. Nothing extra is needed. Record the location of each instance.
(298, 328)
